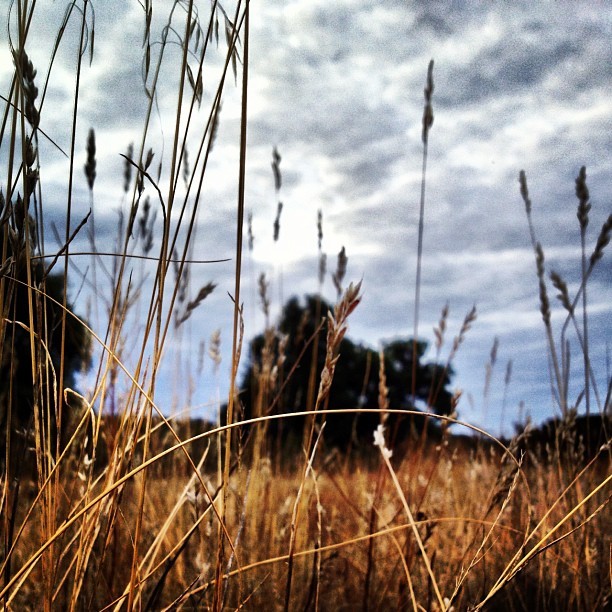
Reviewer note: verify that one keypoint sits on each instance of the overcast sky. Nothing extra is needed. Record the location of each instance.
(337, 87)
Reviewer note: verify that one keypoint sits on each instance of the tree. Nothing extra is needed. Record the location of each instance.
(277, 379)
(18, 385)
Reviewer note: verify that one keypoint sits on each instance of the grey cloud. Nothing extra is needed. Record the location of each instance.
(339, 88)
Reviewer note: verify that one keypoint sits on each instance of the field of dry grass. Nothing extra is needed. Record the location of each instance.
(520, 539)
(109, 504)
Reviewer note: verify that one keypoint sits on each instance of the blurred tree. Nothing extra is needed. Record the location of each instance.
(355, 384)
(17, 383)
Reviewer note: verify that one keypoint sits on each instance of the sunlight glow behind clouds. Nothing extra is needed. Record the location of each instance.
(338, 88)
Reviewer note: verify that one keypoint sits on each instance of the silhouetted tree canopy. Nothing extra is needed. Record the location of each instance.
(355, 384)
(17, 385)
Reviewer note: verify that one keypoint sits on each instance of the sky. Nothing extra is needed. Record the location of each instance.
(337, 87)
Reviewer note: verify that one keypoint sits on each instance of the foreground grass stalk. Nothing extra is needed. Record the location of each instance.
(236, 298)
(161, 278)
(582, 193)
(379, 441)
(294, 521)
(519, 563)
(558, 387)
(336, 330)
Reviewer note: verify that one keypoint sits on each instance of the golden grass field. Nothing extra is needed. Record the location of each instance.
(107, 503)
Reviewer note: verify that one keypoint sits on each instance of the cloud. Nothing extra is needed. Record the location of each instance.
(338, 87)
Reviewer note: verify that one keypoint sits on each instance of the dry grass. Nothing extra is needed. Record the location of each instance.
(474, 526)
(114, 505)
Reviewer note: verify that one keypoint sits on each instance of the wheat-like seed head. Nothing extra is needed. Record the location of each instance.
(582, 193)
(470, 317)
(428, 116)
(27, 74)
(203, 293)
(439, 331)
(544, 302)
(602, 241)
(337, 325)
(383, 390)
(561, 286)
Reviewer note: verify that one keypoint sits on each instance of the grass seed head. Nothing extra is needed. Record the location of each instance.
(263, 295)
(439, 331)
(90, 165)
(525, 191)
(602, 240)
(27, 74)
(322, 267)
(340, 273)
(251, 237)
(544, 302)
(582, 193)
(428, 115)
(561, 286)
(278, 178)
(127, 167)
(279, 210)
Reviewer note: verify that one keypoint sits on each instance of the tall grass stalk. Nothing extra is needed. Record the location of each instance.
(427, 122)
(218, 603)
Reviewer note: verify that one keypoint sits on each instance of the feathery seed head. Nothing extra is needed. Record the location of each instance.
(582, 193)
(560, 285)
(149, 159)
(27, 74)
(470, 317)
(602, 240)
(379, 440)
(428, 116)
(439, 331)
(544, 302)
(336, 329)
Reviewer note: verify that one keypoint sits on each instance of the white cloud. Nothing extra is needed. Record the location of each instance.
(338, 88)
